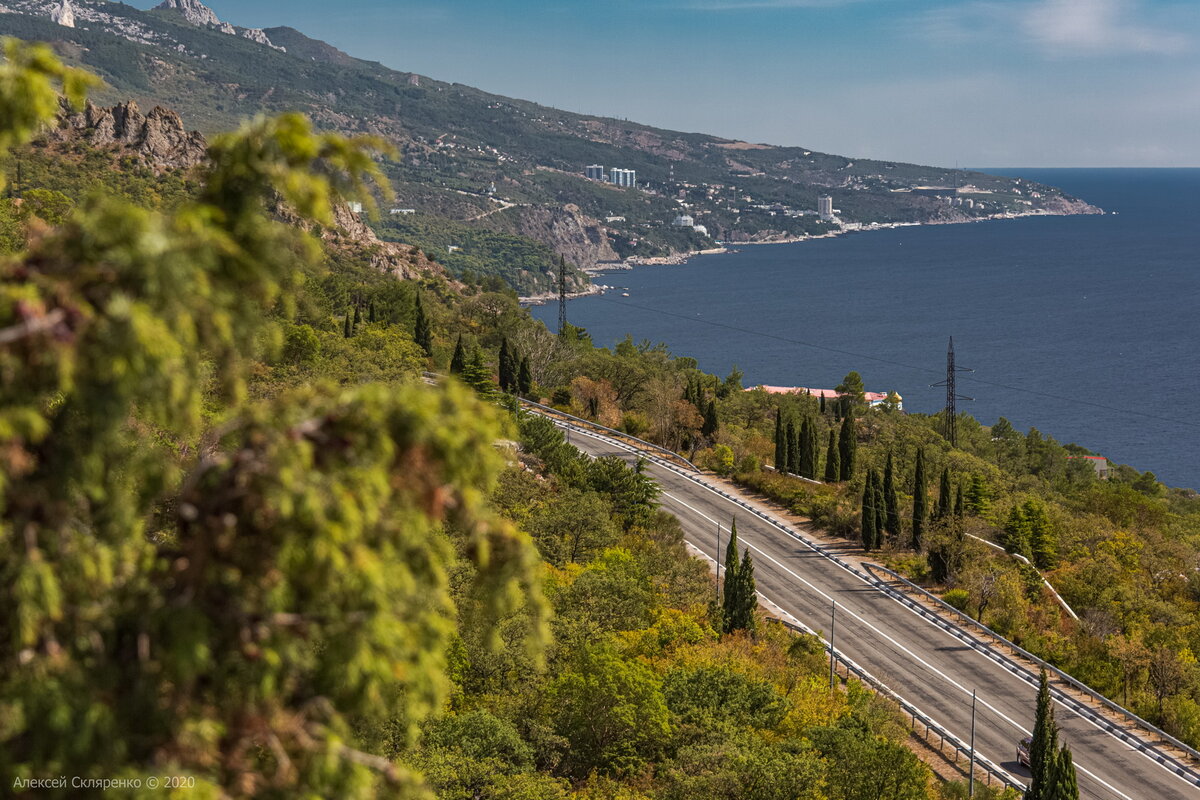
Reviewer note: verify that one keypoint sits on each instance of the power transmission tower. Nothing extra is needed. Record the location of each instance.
(562, 295)
(951, 422)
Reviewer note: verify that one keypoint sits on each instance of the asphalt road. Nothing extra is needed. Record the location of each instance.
(926, 665)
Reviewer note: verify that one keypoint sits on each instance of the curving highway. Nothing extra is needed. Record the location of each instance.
(932, 665)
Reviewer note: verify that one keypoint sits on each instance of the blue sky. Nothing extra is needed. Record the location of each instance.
(974, 82)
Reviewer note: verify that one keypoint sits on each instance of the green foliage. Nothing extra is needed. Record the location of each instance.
(188, 599)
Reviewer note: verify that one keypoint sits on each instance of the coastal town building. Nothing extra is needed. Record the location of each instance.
(596, 172)
(872, 398)
(825, 207)
(684, 221)
(1099, 464)
(623, 177)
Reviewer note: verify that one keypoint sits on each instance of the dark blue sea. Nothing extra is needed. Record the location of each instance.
(1086, 328)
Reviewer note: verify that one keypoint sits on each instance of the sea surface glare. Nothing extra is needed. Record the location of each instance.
(1086, 328)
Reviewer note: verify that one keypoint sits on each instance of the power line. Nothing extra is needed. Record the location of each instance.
(995, 385)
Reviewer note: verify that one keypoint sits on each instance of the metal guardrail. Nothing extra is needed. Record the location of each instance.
(1183, 771)
(1186, 772)
(610, 431)
(992, 770)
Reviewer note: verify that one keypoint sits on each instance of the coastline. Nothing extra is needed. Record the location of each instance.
(679, 259)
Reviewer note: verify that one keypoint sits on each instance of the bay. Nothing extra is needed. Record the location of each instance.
(1083, 327)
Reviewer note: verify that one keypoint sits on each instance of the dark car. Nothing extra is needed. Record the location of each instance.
(1023, 751)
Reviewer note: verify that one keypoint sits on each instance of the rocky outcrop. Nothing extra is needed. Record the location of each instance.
(64, 14)
(201, 15)
(581, 239)
(158, 137)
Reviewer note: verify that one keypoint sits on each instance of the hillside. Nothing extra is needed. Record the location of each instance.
(512, 166)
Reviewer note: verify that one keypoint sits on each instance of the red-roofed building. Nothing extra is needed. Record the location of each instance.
(873, 398)
(1099, 463)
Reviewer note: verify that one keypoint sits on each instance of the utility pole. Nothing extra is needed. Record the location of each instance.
(971, 780)
(562, 295)
(951, 422)
(832, 649)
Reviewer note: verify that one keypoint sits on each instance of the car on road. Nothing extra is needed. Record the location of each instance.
(1023, 751)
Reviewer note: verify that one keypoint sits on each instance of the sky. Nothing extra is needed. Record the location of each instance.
(981, 83)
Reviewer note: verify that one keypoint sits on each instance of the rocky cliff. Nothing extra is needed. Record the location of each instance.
(199, 14)
(158, 137)
(583, 240)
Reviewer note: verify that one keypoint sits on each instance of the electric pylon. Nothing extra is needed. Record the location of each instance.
(951, 421)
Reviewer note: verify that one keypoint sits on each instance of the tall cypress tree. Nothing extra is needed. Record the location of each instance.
(1063, 783)
(868, 512)
(1043, 751)
(524, 377)
(793, 446)
(822, 404)
(780, 443)
(848, 443)
(711, 423)
(459, 359)
(806, 466)
(890, 501)
(746, 599)
(832, 465)
(945, 503)
(730, 587)
(506, 367)
(357, 315)
(422, 334)
(814, 449)
(348, 327)
(920, 501)
(371, 312)
(880, 509)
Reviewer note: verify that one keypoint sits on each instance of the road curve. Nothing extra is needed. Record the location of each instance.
(930, 667)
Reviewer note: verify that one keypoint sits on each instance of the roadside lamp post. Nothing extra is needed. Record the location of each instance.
(718, 563)
(832, 649)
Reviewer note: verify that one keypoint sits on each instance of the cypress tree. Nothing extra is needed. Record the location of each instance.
(371, 312)
(868, 512)
(780, 443)
(832, 467)
(806, 465)
(880, 509)
(459, 359)
(730, 587)
(422, 334)
(848, 444)
(747, 597)
(506, 367)
(920, 501)
(711, 423)
(524, 377)
(357, 315)
(790, 440)
(822, 404)
(348, 327)
(890, 501)
(945, 503)
(1064, 783)
(1043, 751)
(814, 448)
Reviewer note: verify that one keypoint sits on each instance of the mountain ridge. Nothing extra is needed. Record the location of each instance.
(482, 160)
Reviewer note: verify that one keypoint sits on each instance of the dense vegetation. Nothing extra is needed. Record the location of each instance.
(243, 543)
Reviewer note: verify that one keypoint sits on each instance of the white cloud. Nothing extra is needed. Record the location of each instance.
(1061, 28)
(1097, 26)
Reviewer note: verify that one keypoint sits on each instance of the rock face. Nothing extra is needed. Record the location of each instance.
(199, 14)
(159, 137)
(583, 240)
(64, 14)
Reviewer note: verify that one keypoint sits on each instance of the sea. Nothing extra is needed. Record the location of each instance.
(1086, 328)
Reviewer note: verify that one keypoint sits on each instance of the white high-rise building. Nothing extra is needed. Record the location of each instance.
(825, 207)
(623, 177)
